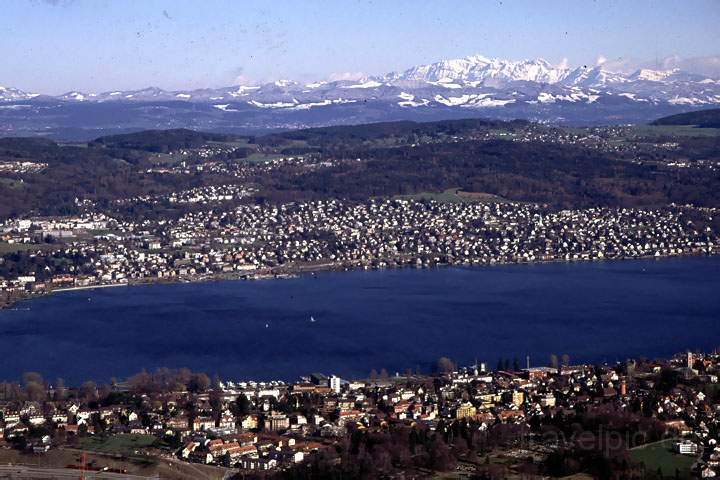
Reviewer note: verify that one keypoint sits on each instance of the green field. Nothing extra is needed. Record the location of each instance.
(453, 195)
(12, 183)
(660, 455)
(119, 444)
(261, 157)
(674, 130)
(167, 159)
(653, 132)
(240, 142)
(19, 247)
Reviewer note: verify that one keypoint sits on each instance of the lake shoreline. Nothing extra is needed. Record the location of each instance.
(348, 323)
(281, 273)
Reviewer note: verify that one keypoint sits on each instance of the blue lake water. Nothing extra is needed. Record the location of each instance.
(392, 319)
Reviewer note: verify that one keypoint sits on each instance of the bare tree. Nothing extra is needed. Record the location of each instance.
(104, 391)
(199, 382)
(445, 365)
(88, 391)
(60, 390)
(141, 382)
(35, 391)
(554, 361)
(33, 377)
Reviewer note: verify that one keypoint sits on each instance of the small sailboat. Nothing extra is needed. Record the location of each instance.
(312, 319)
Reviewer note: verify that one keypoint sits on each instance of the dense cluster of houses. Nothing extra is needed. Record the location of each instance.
(242, 170)
(259, 239)
(389, 232)
(21, 167)
(210, 194)
(623, 139)
(275, 425)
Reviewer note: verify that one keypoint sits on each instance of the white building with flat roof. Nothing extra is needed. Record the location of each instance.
(334, 383)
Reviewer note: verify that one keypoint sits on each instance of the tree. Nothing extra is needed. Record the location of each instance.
(215, 401)
(141, 382)
(439, 457)
(32, 377)
(183, 376)
(554, 361)
(445, 365)
(34, 386)
(35, 391)
(242, 405)
(199, 383)
(88, 391)
(668, 380)
(104, 392)
(565, 360)
(60, 390)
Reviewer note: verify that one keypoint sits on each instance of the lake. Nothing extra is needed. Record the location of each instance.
(363, 320)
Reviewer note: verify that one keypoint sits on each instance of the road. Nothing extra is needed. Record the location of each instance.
(21, 472)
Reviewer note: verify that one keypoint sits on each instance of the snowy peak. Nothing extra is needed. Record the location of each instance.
(8, 94)
(76, 96)
(480, 69)
(282, 83)
(595, 77)
(474, 82)
(653, 75)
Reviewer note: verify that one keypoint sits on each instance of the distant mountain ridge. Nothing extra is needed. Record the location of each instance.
(480, 69)
(472, 86)
(470, 72)
(709, 118)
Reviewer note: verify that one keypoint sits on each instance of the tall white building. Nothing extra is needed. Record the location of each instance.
(334, 383)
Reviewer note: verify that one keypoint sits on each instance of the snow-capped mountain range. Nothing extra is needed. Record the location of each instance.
(478, 70)
(471, 86)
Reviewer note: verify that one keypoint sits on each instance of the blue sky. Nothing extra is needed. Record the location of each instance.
(53, 46)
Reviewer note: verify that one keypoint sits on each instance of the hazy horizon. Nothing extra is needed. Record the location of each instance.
(102, 46)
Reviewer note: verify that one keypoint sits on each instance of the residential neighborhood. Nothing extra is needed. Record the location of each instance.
(360, 240)
(256, 241)
(493, 422)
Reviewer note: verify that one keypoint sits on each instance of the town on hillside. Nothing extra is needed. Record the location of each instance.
(635, 419)
(262, 241)
(180, 205)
